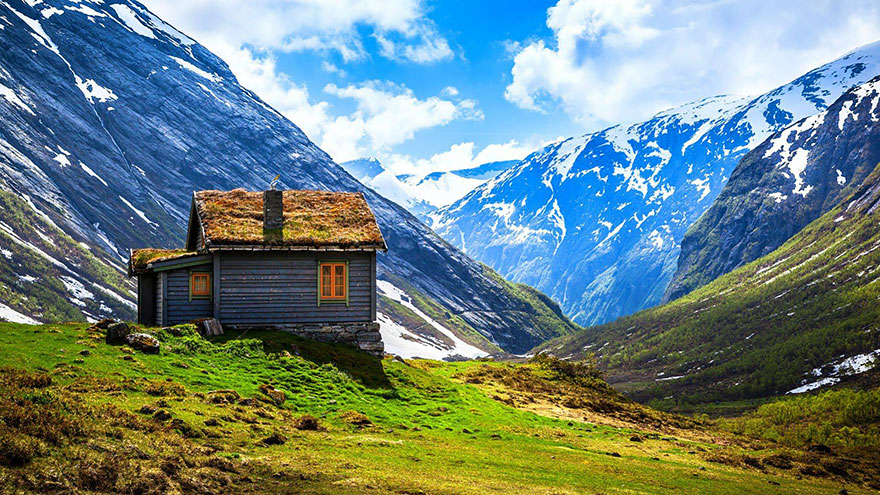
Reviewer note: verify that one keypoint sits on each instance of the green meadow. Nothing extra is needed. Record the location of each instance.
(267, 412)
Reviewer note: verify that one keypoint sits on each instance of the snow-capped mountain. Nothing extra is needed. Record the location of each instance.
(787, 182)
(110, 118)
(422, 194)
(595, 221)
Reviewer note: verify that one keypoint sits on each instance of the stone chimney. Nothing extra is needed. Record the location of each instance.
(273, 215)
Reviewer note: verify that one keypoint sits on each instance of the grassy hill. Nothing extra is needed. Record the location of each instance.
(782, 321)
(271, 413)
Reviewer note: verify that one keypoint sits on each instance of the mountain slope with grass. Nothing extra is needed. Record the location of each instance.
(270, 413)
(790, 180)
(803, 317)
(596, 221)
(110, 118)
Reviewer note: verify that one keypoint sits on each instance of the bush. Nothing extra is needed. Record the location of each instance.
(18, 450)
(576, 372)
(355, 418)
(165, 388)
(306, 422)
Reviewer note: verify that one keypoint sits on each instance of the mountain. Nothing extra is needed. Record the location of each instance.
(110, 118)
(781, 186)
(801, 317)
(363, 169)
(485, 171)
(422, 194)
(595, 221)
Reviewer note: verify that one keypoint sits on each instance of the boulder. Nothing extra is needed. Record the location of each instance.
(143, 342)
(117, 332)
(208, 327)
(105, 323)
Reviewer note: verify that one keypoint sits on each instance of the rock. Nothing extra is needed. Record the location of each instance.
(117, 332)
(275, 439)
(223, 396)
(635, 438)
(247, 402)
(306, 422)
(85, 352)
(614, 454)
(105, 323)
(147, 409)
(143, 342)
(208, 327)
(162, 415)
(277, 396)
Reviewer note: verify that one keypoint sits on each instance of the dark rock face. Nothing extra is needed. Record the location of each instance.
(787, 182)
(113, 118)
(595, 221)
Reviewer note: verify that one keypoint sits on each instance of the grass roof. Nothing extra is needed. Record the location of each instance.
(311, 219)
(142, 258)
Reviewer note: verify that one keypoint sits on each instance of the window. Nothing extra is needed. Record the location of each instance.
(200, 284)
(333, 282)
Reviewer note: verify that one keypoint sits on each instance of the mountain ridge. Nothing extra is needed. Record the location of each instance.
(595, 221)
(780, 187)
(796, 319)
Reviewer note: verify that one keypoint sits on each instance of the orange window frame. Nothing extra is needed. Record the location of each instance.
(200, 284)
(333, 282)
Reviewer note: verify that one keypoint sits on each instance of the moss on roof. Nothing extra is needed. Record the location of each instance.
(311, 218)
(142, 258)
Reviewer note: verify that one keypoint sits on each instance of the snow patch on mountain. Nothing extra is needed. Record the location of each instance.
(131, 20)
(408, 344)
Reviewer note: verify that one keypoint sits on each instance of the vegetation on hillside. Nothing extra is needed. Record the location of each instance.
(42, 268)
(267, 412)
(760, 330)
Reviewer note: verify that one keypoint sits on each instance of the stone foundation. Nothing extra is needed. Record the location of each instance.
(364, 336)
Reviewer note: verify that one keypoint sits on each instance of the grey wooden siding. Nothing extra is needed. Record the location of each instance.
(160, 301)
(180, 308)
(264, 288)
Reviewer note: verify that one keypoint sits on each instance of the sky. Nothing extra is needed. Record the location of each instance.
(443, 85)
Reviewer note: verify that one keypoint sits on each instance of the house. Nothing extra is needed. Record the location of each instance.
(299, 261)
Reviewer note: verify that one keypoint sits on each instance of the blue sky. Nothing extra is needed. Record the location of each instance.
(439, 85)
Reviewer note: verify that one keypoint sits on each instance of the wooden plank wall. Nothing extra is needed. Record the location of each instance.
(180, 308)
(282, 288)
(160, 301)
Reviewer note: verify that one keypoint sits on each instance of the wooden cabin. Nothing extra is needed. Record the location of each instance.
(301, 261)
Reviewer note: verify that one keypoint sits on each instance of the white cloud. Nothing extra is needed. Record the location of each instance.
(332, 68)
(313, 25)
(387, 114)
(604, 56)
(458, 157)
(248, 35)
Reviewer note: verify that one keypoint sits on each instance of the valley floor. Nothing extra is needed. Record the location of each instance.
(270, 413)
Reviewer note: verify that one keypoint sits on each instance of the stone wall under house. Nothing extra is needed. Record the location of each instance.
(364, 336)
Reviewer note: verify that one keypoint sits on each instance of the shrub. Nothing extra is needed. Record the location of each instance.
(576, 372)
(306, 422)
(355, 418)
(18, 450)
(164, 388)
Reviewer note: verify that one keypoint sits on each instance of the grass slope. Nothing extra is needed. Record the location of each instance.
(239, 415)
(760, 330)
